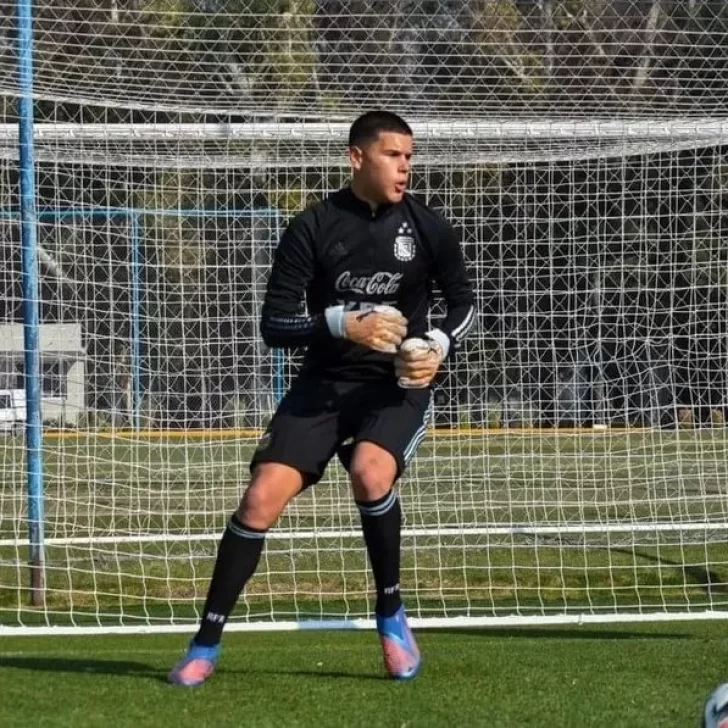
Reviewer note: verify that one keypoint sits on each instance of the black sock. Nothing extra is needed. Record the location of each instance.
(237, 560)
(381, 522)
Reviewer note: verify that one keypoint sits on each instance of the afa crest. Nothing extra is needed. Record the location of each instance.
(404, 243)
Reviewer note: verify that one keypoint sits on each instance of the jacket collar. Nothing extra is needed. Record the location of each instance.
(356, 204)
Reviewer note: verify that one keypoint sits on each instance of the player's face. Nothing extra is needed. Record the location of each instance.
(382, 167)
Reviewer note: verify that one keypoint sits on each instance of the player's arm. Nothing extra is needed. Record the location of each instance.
(419, 360)
(452, 278)
(285, 323)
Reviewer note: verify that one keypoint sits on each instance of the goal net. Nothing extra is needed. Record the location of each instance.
(577, 462)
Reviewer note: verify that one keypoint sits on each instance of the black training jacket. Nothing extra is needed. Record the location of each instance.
(341, 253)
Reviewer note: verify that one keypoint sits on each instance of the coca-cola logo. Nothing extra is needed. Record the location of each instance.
(381, 283)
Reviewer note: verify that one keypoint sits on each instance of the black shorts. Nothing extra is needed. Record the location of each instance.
(319, 419)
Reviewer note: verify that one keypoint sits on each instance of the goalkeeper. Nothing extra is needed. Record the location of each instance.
(351, 281)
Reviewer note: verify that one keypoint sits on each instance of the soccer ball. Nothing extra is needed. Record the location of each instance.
(715, 714)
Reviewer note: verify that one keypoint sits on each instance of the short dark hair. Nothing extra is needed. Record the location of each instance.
(368, 126)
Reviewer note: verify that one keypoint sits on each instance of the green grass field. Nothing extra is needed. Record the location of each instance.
(185, 486)
(614, 676)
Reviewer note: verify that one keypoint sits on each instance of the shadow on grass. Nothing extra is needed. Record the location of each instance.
(561, 633)
(140, 670)
(83, 666)
(693, 574)
(326, 674)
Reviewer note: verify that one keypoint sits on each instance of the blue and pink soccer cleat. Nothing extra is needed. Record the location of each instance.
(401, 655)
(195, 667)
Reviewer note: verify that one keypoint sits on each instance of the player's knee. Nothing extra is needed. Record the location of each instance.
(267, 495)
(372, 475)
(259, 507)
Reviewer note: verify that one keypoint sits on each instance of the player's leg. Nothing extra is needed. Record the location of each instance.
(373, 472)
(292, 454)
(387, 438)
(272, 486)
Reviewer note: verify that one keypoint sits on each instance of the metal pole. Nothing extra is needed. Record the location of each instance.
(31, 318)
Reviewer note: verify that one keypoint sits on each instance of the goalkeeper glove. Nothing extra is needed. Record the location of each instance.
(417, 362)
(380, 328)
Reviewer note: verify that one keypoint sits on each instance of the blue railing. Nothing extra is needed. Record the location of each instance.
(34, 435)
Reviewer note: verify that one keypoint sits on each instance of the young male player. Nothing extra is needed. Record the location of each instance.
(351, 280)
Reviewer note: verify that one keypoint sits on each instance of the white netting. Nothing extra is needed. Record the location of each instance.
(318, 58)
(578, 455)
